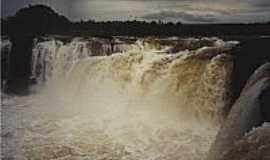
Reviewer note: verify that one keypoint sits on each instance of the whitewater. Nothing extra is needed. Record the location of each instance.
(152, 99)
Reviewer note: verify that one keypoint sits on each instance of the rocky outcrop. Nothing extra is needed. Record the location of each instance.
(20, 65)
(5, 52)
(249, 111)
(261, 72)
(248, 56)
(253, 146)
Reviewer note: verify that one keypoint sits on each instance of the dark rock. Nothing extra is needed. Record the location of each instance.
(263, 71)
(250, 110)
(20, 65)
(249, 55)
(254, 146)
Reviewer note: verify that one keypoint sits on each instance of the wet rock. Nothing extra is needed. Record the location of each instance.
(246, 113)
(20, 65)
(263, 71)
(254, 146)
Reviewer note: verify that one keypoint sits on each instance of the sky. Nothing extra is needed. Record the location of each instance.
(186, 11)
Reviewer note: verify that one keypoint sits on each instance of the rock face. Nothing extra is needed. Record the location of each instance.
(249, 111)
(249, 55)
(6, 46)
(261, 72)
(19, 66)
(254, 146)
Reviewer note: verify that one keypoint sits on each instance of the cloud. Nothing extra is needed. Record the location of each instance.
(190, 11)
(261, 3)
(182, 16)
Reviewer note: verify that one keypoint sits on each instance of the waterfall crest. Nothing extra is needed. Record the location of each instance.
(147, 99)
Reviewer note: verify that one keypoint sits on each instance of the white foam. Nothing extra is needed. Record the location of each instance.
(133, 105)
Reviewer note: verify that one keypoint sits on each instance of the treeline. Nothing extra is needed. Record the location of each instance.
(41, 20)
(38, 19)
(138, 28)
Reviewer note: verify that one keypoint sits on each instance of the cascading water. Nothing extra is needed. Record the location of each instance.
(142, 103)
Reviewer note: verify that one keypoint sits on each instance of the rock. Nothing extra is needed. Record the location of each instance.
(245, 114)
(20, 65)
(263, 71)
(254, 146)
(248, 56)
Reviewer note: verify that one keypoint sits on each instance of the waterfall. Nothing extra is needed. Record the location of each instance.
(140, 101)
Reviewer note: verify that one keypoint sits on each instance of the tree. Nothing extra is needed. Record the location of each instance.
(37, 20)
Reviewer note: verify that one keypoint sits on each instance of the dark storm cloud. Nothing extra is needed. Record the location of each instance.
(182, 16)
(262, 3)
(201, 11)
